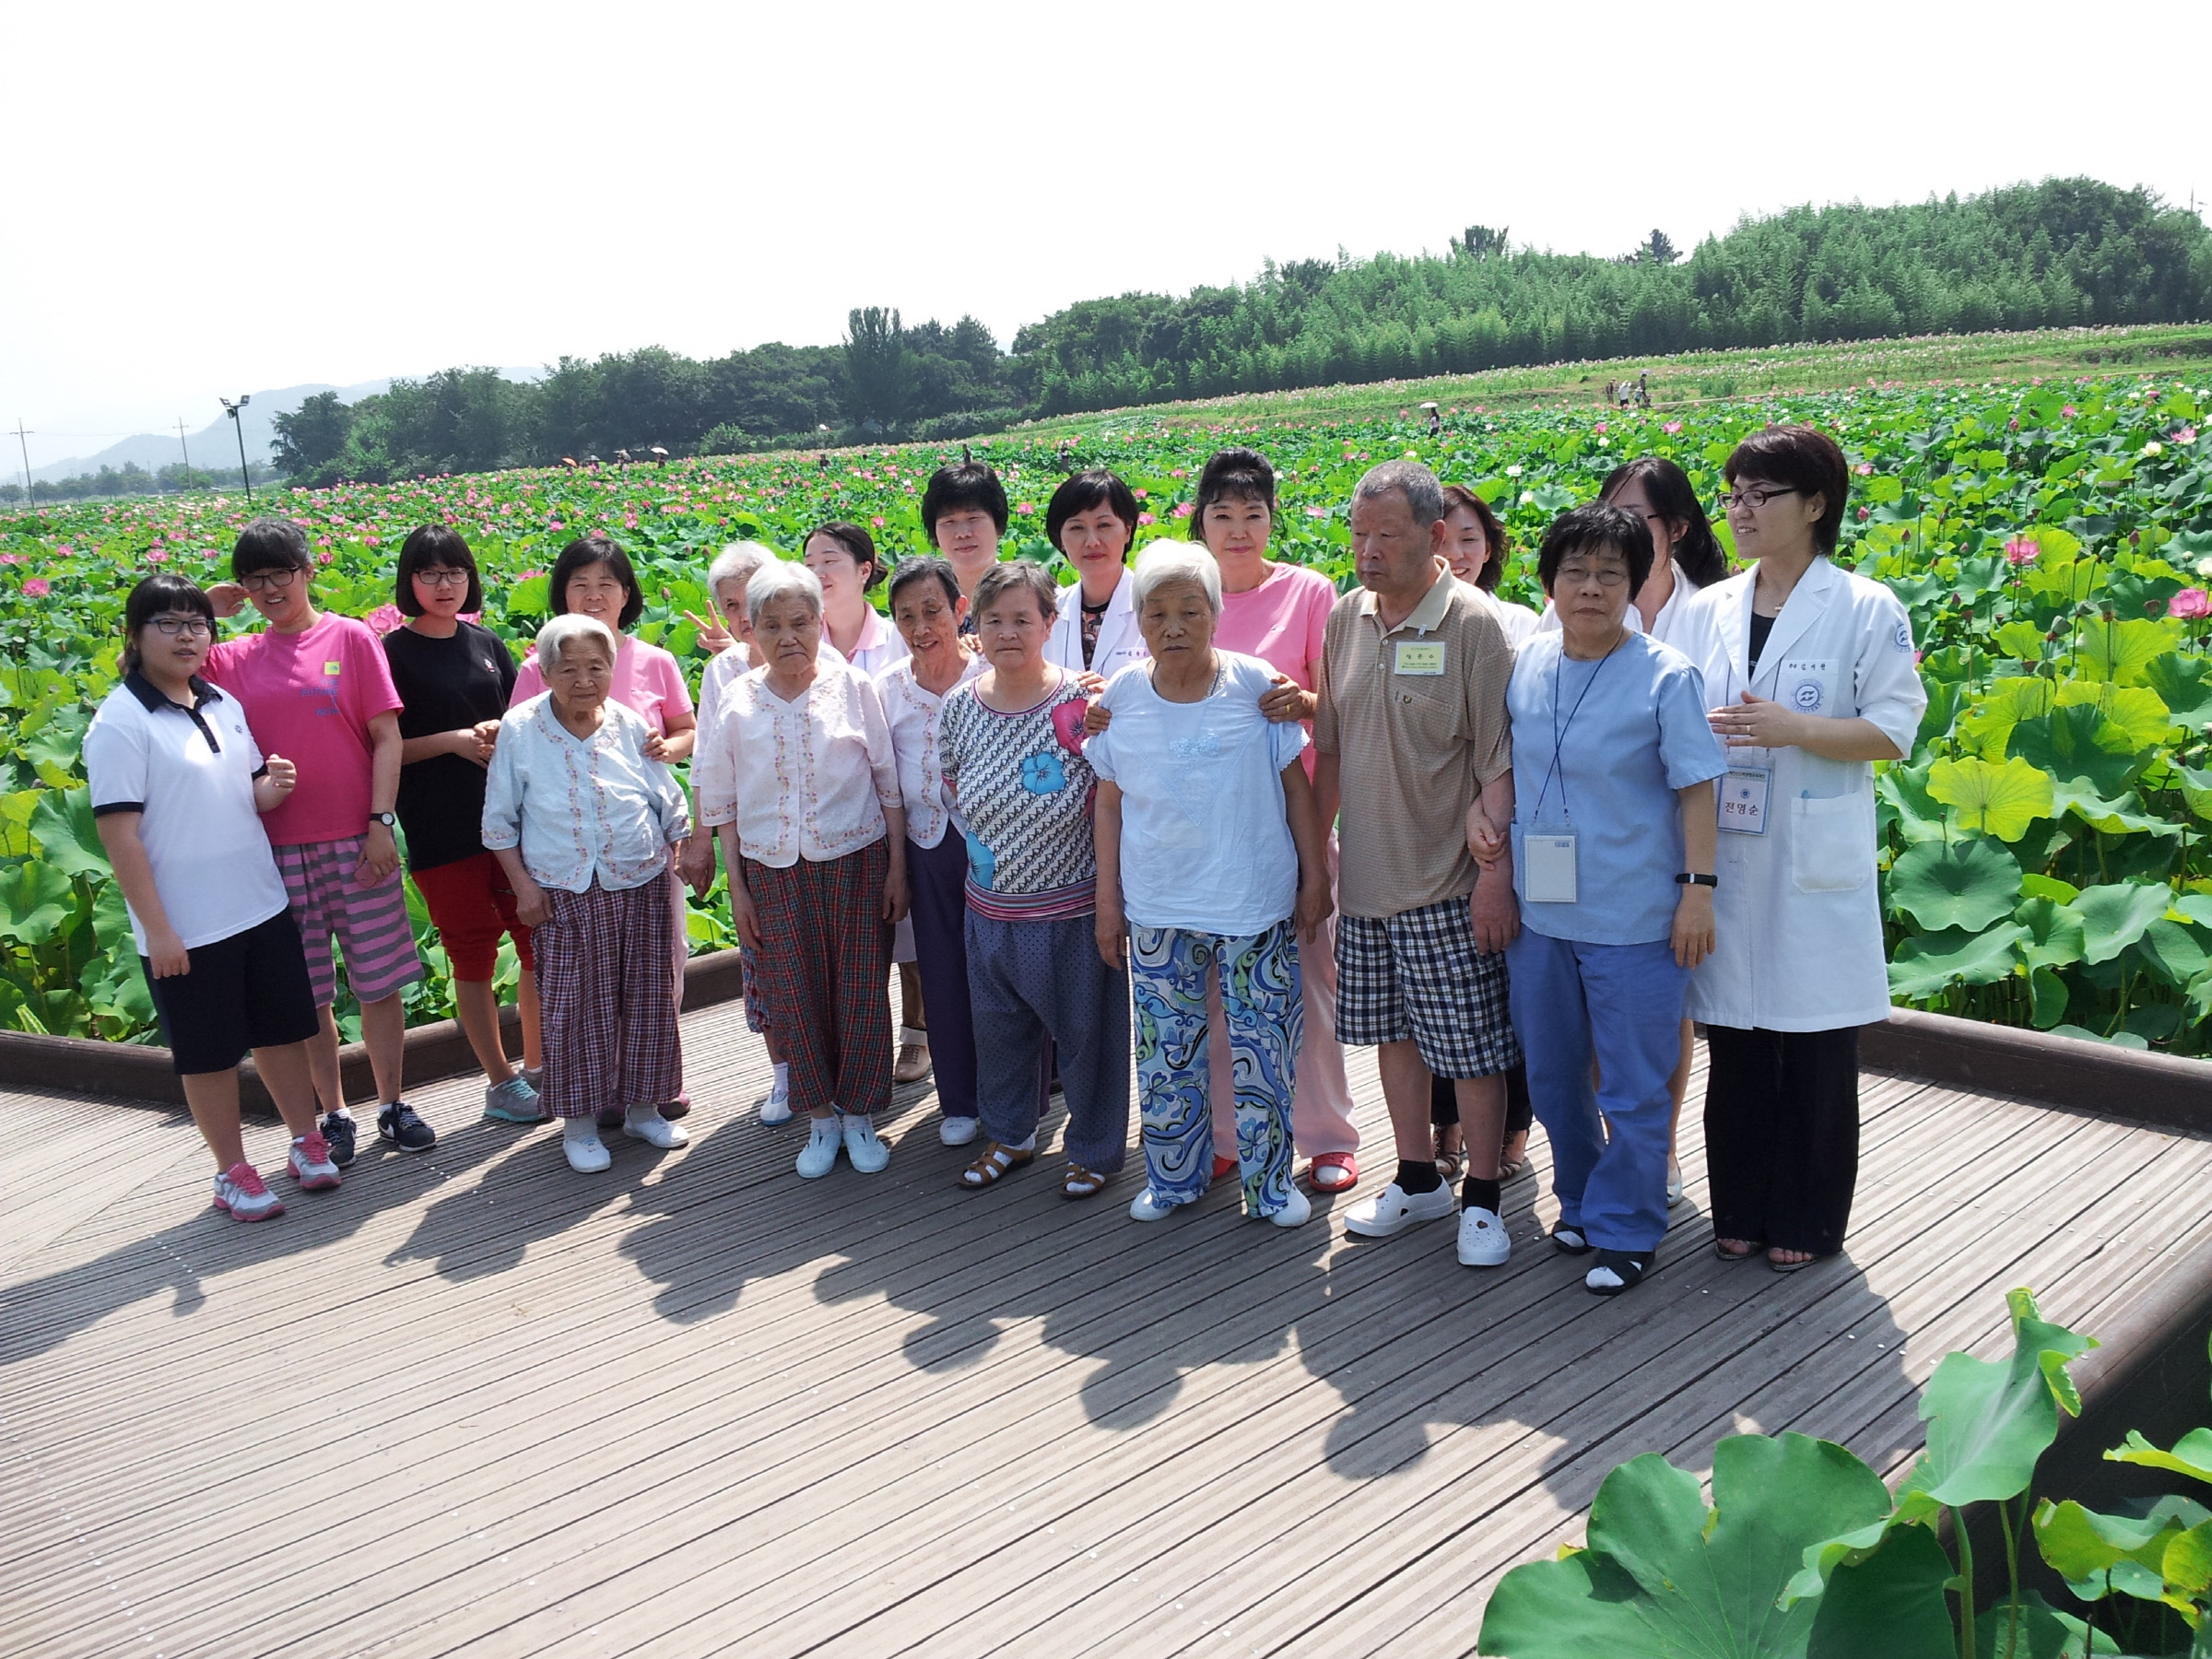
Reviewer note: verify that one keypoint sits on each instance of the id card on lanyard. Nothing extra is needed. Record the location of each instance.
(1548, 863)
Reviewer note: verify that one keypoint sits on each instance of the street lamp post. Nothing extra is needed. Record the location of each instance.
(238, 426)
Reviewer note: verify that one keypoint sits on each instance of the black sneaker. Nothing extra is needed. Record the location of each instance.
(398, 1125)
(339, 1130)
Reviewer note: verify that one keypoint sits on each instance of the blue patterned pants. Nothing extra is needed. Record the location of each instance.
(1168, 968)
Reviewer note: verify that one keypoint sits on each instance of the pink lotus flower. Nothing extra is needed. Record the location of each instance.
(876, 521)
(10, 558)
(37, 587)
(1031, 506)
(1145, 518)
(2185, 435)
(2190, 604)
(1864, 469)
(2021, 550)
(2068, 412)
(1143, 495)
(385, 618)
(1670, 427)
(156, 555)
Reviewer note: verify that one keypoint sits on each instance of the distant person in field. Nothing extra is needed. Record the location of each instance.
(178, 788)
(1414, 744)
(586, 821)
(1476, 548)
(1812, 677)
(593, 578)
(1213, 881)
(843, 558)
(1091, 519)
(1010, 753)
(964, 514)
(320, 687)
(798, 776)
(453, 679)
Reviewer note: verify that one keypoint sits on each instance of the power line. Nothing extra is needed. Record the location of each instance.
(180, 444)
(21, 443)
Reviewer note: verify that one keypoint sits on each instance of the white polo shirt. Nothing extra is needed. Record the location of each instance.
(188, 773)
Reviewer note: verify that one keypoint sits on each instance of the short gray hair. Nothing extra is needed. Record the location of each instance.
(781, 579)
(556, 636)
(737, 562)
(1165, 561)
(1424, 496)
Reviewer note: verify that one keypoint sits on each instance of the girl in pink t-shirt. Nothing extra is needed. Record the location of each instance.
(1278, 613)
(593, 578)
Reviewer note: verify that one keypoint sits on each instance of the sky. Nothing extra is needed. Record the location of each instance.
(200, 203)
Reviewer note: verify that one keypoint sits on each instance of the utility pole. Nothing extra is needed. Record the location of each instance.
(25, 448)
(238, 426)
(186, 479)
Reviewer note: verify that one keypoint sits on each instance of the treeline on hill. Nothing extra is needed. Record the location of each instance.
(2064, 251)
(130, 479)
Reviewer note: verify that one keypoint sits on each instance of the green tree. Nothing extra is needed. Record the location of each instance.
(311, 438)
(879, 371)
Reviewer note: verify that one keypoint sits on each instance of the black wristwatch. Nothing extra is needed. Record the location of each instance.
(385, 819)
(1691, 878)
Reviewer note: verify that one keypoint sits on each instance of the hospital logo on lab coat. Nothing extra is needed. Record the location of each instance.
(1807, 695)
(1904, 636)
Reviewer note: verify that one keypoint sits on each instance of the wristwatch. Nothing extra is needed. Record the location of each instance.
(385, 819)
(1691, 878)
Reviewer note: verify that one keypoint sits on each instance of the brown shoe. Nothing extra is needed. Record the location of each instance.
(912, 1064)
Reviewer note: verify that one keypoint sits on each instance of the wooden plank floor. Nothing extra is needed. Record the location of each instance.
(475, 1404)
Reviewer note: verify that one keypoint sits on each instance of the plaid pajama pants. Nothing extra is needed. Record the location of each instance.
(608, 1000)
(824, 967)
(1417, 976)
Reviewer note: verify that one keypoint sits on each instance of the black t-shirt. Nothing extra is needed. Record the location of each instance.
(1760, 628)
(444, 684)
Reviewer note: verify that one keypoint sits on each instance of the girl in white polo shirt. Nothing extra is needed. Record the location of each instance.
(177, 790)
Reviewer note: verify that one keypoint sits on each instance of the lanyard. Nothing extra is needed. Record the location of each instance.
(1559, 731)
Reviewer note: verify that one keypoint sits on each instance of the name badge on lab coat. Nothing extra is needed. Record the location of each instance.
(1421, 656)
(1547, 867)
(1743, 799)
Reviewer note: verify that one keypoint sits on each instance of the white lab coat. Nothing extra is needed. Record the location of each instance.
(1120, 643)
(1797, 913)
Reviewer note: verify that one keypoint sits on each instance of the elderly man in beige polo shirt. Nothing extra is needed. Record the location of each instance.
(1412, 743)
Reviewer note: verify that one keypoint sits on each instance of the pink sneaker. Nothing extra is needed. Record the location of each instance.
(309, 1162)
(239, 1191)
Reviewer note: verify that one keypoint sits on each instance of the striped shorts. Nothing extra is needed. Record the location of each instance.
(370, 925)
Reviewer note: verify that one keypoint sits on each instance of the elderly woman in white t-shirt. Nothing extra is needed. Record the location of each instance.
(1211, 860)
(799, 776)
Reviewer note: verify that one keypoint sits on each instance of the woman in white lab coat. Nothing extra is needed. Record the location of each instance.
(1812, 675)
(1092, 519)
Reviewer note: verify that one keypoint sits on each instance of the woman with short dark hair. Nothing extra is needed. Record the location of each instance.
(178, 787)
(1091, 519)
(964, 514)
(453, 678)
(1812, 677)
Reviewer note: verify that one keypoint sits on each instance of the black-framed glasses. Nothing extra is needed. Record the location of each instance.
(176, 627)
(262, 582)
(443, 578)
(1574, 575)
(1756, 497)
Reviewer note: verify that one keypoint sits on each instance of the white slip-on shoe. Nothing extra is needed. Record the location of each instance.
(1296, 1212)
(1149, 1205)
(646, 1123)
(1394, 1209)
(775, 1105)
(818, 1156)
(956, 1131)
(1674, 1185)
(866, 1150)
(587, 1154)
(1483, 1241)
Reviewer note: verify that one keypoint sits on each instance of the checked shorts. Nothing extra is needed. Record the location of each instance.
(1417, 975)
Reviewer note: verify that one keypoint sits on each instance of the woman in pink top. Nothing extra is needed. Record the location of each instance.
(1278, 612)
(593, 578)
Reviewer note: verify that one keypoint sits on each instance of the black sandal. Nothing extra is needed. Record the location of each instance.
(1726, 1254)
(1628, 1268)
(1568, 1241)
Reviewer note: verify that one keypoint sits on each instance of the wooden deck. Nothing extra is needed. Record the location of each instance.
(473, 1403)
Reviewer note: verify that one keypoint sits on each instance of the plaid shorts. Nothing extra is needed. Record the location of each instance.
(1419, 975)
(370, 925)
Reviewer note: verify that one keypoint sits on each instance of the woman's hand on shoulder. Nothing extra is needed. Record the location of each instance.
(1097, 717)
(656, 746)
(1288, 701)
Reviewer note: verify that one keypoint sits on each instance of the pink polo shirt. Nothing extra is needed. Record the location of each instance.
(646, 679)
(1282, 622)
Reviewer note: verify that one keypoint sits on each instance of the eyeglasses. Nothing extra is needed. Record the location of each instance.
(262, 582)
(1573, 575)
(174, 626)
(1755, 498)
(443, 578)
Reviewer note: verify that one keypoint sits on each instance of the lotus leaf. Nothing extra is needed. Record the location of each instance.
(1926, 963)
(2080, 744)
(1989, 1420)
(2056, 934)
(2002, 801)
(2114, 916)
(1967, 883)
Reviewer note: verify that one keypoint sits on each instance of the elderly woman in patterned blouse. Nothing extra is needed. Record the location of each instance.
(799, 776)
(587, 825)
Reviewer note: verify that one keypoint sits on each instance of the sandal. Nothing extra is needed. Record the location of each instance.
(1450, 1161)
(1568, 1239)
(1512, 1168)
(1333, 1173)
(1081, 1181)
(1752, 1247)
(996, 1163)
(1781, 1266)
(1617, 1270)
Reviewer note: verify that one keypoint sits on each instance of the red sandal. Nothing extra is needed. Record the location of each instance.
(1342, 1173)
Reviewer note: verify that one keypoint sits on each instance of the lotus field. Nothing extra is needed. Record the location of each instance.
(2046, 855)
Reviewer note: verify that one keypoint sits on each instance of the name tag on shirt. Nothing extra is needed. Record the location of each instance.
(1743, 799)
(1547, 869)
(331, 668)
(1421, 656)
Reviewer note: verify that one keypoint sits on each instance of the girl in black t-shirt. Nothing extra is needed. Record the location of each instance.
(454, 679)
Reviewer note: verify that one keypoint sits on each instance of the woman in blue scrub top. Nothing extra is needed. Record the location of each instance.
(1612, 850)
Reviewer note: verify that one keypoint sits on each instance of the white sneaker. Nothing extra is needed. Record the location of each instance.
(654, 1130)
(818, 1156)
(775, 1105)
(240, 1190)
(1483, 1241)
(587, 1154)
(1295, 1213)
(1149, 1205)
(864, 1149)
(1394, 1209)
(955, 1131)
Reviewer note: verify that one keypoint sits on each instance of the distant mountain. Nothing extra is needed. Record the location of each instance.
(213, 448)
